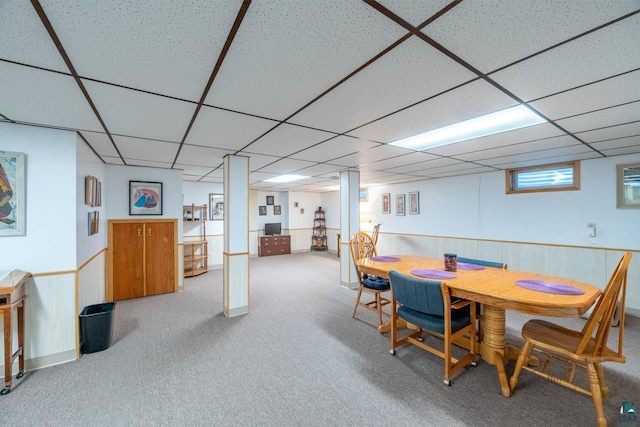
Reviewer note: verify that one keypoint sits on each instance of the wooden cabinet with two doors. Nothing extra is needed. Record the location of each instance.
(142, 258)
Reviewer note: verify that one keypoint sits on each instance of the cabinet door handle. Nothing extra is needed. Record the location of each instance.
(139, 232)
(149, 232)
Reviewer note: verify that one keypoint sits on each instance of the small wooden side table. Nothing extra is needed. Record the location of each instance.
(12, 298)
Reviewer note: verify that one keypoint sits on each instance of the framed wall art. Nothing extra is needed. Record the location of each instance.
(414, 203)
(386, 203)
(399, 204)
(12, 194)
(145, 198)
(262, 210)
(270, 200)
(277, 210)
(216, 207)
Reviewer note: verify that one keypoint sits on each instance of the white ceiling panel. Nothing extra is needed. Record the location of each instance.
(287, 139)
(192, 170)
(621, 151)
(100, 143)
(224, 129)
(509, 164)
(542, 155)
(630, 142)
(432, 164)
(113, 160)
(476, 29)
(373, 155)
(399, 161)
(261, 176)
(385, 86)
(603, 53)
(201, 156)
(148, 163)
(322, 170)
(524, 147)
(157, 151)
(258, 161)
(617, 90)
(140, 114)
(471, 100)
(598, 119)
(469, 171)
(286, 166)
(179, 40)
(336, 147)
(24, 39)
(530, 133)
(287, 52)
(414, 12)
(35, 96)
(613, 132)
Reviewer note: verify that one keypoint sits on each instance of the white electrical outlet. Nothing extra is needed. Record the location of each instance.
(591, 227)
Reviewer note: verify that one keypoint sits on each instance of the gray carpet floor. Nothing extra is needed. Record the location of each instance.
(298, 359)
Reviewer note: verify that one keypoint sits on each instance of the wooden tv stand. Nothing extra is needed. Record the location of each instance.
(274, 245)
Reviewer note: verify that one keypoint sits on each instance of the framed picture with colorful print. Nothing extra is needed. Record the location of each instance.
(12, 194)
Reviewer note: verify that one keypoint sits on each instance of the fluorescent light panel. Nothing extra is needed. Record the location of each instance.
(286, 178)
(490, 124)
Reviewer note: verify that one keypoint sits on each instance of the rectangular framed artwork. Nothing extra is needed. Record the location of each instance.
(399, 204)
(414, 203)
(277, 209)
(262, 210)
(386, 203)
(12, 194)
(270, 200)
(216, 207)
(145, 198)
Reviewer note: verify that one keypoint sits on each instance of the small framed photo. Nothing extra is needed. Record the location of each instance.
(216, 207)
(302, 211)
(262, 210)
(386, 203)
(414, 203)
(296, 204)
(269, 200)
(277, 210)
(145, 198)
(399, 204)
(12, 194)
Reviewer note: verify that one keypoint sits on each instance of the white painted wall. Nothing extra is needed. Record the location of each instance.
(307, 201)
(50, 242)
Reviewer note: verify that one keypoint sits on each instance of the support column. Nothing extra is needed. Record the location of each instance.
(235, 256)
(349, 224)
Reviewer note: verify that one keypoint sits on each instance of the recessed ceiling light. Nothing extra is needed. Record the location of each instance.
(286, 178)
(490, 124)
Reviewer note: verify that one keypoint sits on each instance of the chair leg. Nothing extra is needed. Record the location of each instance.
(522, 359)
(603, 385)
(595, 393)
(357, 302)
(379, 307)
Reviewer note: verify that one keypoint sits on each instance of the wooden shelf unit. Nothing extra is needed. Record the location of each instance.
(274, 245)
(196, 252)
(319, 237)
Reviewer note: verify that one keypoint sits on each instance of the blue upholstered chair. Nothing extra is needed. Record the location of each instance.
(428, 305)
(479, 309)
(362, 246)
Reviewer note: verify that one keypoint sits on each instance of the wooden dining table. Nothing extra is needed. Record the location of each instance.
(497, 290)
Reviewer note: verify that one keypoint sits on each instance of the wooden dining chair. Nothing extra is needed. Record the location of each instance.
(362, 246)
(428, 305)
(479, 308)
(374, 234)
(586, 348)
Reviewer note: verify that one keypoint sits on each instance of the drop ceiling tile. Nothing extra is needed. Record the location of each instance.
(194, 170)
(385, 86)
(225, 129)
(147, 163)
(621, 151)
(604, 53)
(261, 176)
(542, 156)
(512, 164)
(474, 170)
(257, 161)
(101, 143)
(322, 170)
(490, 34)
(630, 142)
(112, 160)
(414, 12)
(35, 96)
(163, 47)
(201, 156)
(422, 166)
(213, 180)
(288, 52)
(531, 133)
(598, 119)
(613, 91)
(471, 100)
(372, 155)
(286, 166)
(333, 148)
(146, 149)
(24, 38)
(613, 132)
(286, 140)
(139, 114)
(399, 161)
(521, 148)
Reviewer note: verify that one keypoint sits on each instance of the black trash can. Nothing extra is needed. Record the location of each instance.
(96, 327)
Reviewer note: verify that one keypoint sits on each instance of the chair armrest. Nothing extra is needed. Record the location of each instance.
(459, 303)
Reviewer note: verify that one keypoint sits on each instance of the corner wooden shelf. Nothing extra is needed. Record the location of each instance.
(196, 252)
(319, 237)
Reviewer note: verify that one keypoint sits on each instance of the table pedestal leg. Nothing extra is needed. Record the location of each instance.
(494, 348)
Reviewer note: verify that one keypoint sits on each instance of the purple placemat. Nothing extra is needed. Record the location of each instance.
(467, 266)
(384, 259)
(549, 287)
(433, 274)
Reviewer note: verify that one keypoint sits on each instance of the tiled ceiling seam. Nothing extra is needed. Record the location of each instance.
(416, 31)
(89, 145)
(56, 41)
(234, 30)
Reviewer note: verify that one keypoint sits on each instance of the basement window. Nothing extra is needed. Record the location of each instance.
(553, 177)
